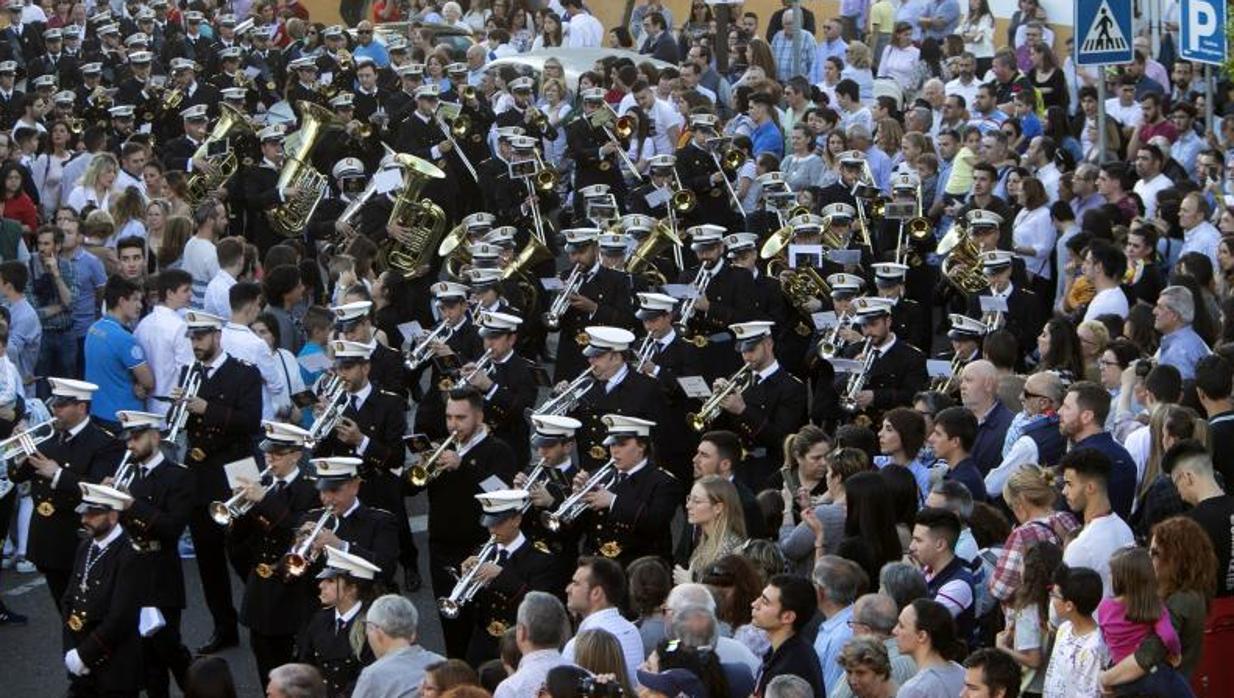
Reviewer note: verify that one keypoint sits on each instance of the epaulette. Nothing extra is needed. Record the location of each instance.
(391, 394)
(244, 362)
(373, 508)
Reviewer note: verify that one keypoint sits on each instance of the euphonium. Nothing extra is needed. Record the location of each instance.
(574, 505)
(455, 250)
(962, 263)
(290, 217)
(706, 414)
(424, 219)
(427, 470)
(642, 261)
(467, 585)
(231, 122)
(301, 555)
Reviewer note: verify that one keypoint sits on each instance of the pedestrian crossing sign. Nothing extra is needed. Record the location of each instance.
(1103, 31)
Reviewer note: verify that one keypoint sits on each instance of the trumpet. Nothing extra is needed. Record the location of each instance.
(857, 381)
(26, 443)
(644, 352)
(125, 472)
(467, 585)
(573, 506)
(427, 470)
(179, 414)
(422, 353)
(699, 284)
(224, 513)
(538, 472)
(552, 318)
(483, 364)
(301, 555)
(334, 395)
(707, 414)
(564, 402)
(829, 345)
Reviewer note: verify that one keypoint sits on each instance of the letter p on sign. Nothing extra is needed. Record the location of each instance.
(1203, 21)
(1203, 30)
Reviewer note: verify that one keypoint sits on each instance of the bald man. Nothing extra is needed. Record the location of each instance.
(979, 394)
(1034, 432)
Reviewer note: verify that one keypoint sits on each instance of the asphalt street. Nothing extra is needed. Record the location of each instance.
(31, 656)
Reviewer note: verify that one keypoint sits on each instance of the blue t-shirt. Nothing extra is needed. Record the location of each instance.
(89, 274)
(111, 354)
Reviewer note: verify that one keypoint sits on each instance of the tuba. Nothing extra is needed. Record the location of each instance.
(424, 219)
(642, 262)
(290, 217)
(522, 268)
(232, 122)
(962, 263)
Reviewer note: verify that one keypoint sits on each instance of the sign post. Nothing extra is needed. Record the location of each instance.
(1103, 31)
(1203, 41)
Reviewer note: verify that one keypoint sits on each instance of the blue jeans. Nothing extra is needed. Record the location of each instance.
(57, 357)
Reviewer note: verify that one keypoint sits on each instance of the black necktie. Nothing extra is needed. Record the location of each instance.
(339, 626)
(355, 402)
(622, 477)
(503, 556)
(279, 485)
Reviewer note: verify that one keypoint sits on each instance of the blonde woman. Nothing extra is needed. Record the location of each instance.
(714, 507)
(857, 62)
(128, 213)
(1156, 497)
(556, 107)
(97, 184)
(599, 652)
(1094, 338)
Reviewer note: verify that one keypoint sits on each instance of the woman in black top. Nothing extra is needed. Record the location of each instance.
(1047, 77)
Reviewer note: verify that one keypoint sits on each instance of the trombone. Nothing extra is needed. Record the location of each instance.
(427, 470)
(707, 414)
(301, 555)
(683, 200)
(448, 131)
(601, 119)
(469, 584)
(224, 513)
(731, 161)
(574, 506)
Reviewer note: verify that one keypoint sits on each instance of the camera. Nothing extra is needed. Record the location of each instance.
(589, 687)
(1143, 367)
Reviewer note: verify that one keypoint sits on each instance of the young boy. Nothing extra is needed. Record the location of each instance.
(1079, 652)
(318, 322)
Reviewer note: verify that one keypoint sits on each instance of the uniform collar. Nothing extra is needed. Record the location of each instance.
(351, 613)
(514, 545)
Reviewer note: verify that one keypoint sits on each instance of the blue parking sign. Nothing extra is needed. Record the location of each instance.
(1202, 25)
(1103, 32)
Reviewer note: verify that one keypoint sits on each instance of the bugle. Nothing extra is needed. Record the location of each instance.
(710, 409)
(574, 505)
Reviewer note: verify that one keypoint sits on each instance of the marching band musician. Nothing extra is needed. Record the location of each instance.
(179, 153)
(122, 126)
(488, 289)
(518, 567)
(909, 319)
(965, 336)
(639, 227)
(255, 189)
(771, 408)
(522, 112)
(698, 171)
(353, 321)
(495, 165)
(599, 206)
(511, 199)
(135, 88)
(269, 66)
(162, 499)
(224, 418)
(615, 389)
(1023, 315)
(508, 386)
(81, 452)
(614, 248)
(275, 605)
(741, 249)
(896, 374)
(852, 169)
(352, 526)
(184, 75)
(462, 342)
(476, 108)
(984, 229)
(421, 135)
(305, 87)
(668, 358)
(729, 297)
(775, 201)
(101, 608)
(631, 517)
(554, 442)
(326, 227)
(844, 288)
(333, 641)
(401, 101)
(603, 298)
(652, 198)
(477, 462)
(593, 152)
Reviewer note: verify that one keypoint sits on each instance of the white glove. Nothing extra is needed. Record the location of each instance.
(150, 621)
(73, 663)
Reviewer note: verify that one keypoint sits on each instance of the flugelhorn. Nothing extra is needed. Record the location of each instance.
(224, 513)
(427, 470)
(301, 555)
(710, 409)
(574, 505)
(468, 584)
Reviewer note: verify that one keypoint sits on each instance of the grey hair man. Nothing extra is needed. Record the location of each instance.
(296, 681)
(955, 498)
(838, 582)
(392, 629)
(1043, 394)
(1181, 346)
(789, 686)
(902, 583)
(875, 616)
(540, 629)
(727, 649)
(696, 627)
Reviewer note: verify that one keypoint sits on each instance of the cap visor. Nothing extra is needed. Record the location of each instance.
(330, 573)
(648, 313)
(493, 332)
(55, 400)
(538, 440)
(271, 446)
(749, 344)
(331, 483)
(960, 335)
(591, 350)
(487, 520)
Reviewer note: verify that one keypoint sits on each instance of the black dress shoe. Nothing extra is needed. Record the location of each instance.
(411, 581)
(220, 641)
(9, 617)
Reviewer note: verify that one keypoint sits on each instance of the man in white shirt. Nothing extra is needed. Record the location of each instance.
(1086, 474)
(1040, 156)
(1104, 266)
(1199, 235)
(200, 257)
(230, 253)
(1149, 162)
(597, 585)
(664, 120)
(582, 29)
(965, 84)
(162, 336)
(538, 632)
(1124, 108)
(242, 343)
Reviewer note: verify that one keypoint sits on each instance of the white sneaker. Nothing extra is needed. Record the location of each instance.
(24, 566)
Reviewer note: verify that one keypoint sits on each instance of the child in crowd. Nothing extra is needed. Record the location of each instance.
(1079, 651)
(1027, 637)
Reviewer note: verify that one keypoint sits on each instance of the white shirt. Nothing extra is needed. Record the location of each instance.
(201, 260)
(240, 342)
(1049, 176)
(1022, 452)
(217, 300)
(1111, 301)
(1096, 543)
(610, 620)
(1129, 116)
(1148, 191)
(161, 335)
(533, 667)
(583, 31)
(967, 91)
(1034, 229)
(1138, 444)
(1203, 239)
(662, 118)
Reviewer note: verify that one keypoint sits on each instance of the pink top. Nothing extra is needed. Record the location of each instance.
(1123, 637)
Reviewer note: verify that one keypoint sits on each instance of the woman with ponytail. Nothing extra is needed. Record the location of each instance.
(1030, 493)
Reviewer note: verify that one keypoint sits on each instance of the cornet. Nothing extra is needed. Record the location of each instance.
(706, 414)
(224, 513)
(422, 353)
(564, 402)
(24, 444)
(427, 470)
(301, 555)
(552, 318)
(574, 505)
(467, 585)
